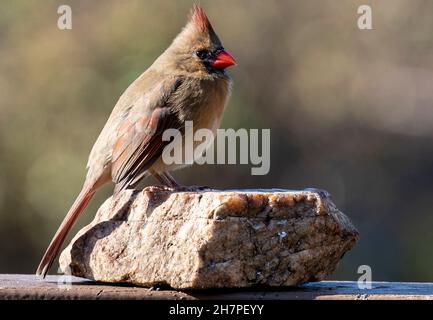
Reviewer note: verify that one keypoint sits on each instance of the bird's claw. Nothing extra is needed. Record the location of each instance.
(191, 188)
(157, 189)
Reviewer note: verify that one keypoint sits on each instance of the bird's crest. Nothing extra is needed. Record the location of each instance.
(199, 19)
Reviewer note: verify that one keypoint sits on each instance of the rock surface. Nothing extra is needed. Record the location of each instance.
(211, 239)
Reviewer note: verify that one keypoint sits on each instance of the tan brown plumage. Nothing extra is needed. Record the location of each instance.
(187, 82)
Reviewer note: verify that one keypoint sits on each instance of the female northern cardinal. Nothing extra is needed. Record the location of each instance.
(188, 82)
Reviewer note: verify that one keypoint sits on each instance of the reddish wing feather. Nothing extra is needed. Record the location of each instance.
(140, 146)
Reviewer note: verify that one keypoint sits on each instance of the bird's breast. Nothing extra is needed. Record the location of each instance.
(205, 109)
(209, 109)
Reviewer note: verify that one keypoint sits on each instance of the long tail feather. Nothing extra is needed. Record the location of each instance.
(56, 243)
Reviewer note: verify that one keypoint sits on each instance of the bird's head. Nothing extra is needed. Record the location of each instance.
(197, 49)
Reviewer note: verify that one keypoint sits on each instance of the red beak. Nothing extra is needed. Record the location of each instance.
(223, 60)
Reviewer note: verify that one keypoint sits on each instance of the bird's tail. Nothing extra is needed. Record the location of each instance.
(53, 249)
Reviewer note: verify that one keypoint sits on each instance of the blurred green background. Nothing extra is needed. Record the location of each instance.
(350, 111)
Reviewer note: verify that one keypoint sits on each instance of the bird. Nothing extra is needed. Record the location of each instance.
(189, 81)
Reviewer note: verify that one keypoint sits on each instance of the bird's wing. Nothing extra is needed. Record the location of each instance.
(139, 141)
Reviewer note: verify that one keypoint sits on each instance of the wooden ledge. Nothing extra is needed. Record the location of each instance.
(13, 286)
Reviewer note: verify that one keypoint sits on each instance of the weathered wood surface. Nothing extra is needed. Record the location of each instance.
(58, 287)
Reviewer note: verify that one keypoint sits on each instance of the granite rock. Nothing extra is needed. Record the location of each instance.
(211, 239)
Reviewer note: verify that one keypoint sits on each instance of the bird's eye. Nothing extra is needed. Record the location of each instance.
(202, 54)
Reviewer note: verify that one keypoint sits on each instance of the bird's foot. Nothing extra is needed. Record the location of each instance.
(157, 189)
(191, 188)
(176, 189)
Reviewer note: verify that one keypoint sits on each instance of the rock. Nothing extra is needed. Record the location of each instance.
(211, 239)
